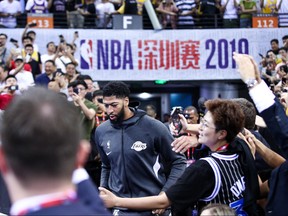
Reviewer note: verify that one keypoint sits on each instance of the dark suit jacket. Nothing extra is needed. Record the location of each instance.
(277, 122)
(74, 208)
(88, 194)
(5, 203)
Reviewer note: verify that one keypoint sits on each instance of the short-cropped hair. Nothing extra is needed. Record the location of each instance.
(40, 135)
(227, 115)
(116, 88)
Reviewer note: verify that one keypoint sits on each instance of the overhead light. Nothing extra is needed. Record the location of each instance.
(144, 95)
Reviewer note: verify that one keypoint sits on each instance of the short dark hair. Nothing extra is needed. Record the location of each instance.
(285, 37)
(191, 108)
(97, 93)
(51, 42)
(249, 112)
(27, 37)
(10, 76)
(38, 138)
(70, 63)
(116, 88)
(51, 61)
(81, 82)
(274, 40)
(3, 34)
(29, 45)
(227, 115)
(84, 77)
(283, 48)
(151, 106)
(31, 32)
(72, 84)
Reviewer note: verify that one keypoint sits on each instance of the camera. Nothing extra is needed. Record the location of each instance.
(175, 117)
(13, 88)
(76, 90)
(187, 115)
(32, 24)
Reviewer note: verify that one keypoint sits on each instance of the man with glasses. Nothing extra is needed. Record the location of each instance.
(4, 52)
(86, 108)
(222, 177)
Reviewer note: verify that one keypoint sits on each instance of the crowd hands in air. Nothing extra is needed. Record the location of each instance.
(273, 156)
(208, 136)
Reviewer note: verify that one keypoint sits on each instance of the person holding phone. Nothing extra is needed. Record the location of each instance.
(87, 109)
(8, 91)
(10, 10)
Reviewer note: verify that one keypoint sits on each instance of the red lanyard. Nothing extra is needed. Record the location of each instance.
(98, 120)
(59, 199)
(222, 148)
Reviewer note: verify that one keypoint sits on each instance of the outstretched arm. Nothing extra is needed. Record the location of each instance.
(143, 203)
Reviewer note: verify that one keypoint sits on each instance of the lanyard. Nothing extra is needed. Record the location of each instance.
(98, 122)
(222, 148)
(57, 200)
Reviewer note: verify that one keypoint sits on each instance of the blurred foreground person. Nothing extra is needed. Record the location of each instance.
(38, 154)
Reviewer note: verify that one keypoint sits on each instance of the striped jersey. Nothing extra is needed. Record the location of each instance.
(185, 6)
(229, 181)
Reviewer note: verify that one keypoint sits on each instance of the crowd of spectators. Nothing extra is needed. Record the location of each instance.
(274, 68)
(56, 69)
(182, 14)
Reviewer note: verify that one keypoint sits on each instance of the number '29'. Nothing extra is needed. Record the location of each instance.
(225, 50)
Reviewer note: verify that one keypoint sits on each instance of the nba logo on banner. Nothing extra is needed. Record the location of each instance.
(86, 55)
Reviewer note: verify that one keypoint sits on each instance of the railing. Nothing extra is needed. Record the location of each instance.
(216, 21)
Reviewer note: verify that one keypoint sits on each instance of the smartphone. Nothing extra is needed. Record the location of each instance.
(27, 58)
(32, 24)
(13, 88)
(59, 70)
(76, 90)
(175, 117)
(76, 33)
(13, 40)
(260, 55)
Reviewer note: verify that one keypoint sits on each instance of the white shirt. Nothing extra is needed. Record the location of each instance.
(44, 58)
(24, 79)
(101, 9)
(30, 4)
(61, 63)
(258, 92)
(231, 10)
(11, 8)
